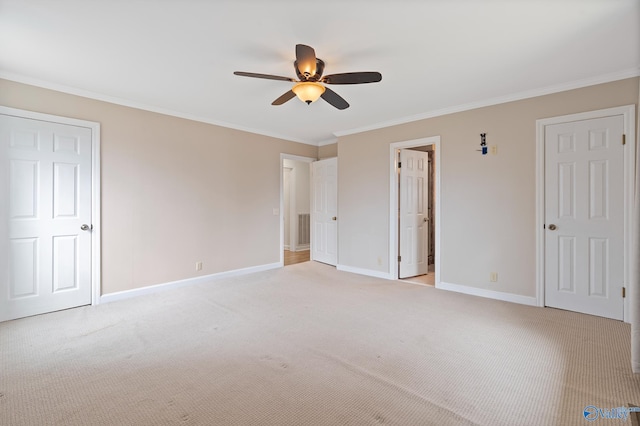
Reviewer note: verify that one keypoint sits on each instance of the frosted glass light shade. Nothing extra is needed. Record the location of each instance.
(308, 91)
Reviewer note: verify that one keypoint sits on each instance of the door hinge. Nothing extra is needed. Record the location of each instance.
(624, 139)
(399, 164)
(399, 258)
(624, 292)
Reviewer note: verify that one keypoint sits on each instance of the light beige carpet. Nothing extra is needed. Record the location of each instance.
(309, 345)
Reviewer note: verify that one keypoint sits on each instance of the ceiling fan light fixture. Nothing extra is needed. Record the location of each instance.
(310, 83)
(308, 91)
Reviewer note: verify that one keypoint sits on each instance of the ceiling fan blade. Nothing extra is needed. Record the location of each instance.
(334, 99)
(306, 60)
(284, 98)
(265, 76)
(353, 78)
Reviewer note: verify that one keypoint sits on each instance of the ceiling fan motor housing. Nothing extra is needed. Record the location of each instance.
(304, 77)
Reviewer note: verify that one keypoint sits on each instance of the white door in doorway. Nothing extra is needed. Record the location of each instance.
(414, 223)
(584, 216)
(324, 211)
(47, 252)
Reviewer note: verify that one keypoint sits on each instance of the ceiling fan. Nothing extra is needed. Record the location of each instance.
(308, 87)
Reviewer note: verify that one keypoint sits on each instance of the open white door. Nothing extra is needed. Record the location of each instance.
(414, 225)
(324, 211)
(47, 248)
(584, 216)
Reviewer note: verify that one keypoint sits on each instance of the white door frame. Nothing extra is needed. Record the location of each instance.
(282, 158)
(95, 185)
(287, 187)
(393, 203)
(628, 114)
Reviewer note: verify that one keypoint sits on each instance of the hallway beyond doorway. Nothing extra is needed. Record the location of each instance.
(293, 257)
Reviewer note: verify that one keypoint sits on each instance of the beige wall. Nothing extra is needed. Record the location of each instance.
(174, 191)
(487, 202)
(328, 151)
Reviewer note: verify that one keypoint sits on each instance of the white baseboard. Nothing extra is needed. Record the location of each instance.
(362, 271)
(287, 247)
(490, 294)
(302, 247)
(121, 295)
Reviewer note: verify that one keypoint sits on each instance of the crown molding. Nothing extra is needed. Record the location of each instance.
(606, 78)
(139, 105)
(577, 84)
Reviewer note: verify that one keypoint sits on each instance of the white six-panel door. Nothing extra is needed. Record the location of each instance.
(414, 235)
(48, 255)
(324, 211)
(584, 216)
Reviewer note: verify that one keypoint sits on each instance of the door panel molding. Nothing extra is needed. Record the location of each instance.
(94, 127)
(628, 114)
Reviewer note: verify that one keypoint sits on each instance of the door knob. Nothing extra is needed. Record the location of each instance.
(552, 227)
(334, 218)
(86, 227)
(424, 219)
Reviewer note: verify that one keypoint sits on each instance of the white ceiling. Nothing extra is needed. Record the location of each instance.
(178, 57)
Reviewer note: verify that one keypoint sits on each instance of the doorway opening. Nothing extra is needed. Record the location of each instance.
(414, 224)
(295, 210)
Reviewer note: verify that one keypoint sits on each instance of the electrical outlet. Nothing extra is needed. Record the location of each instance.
(198, 266)
(493, 277)
(379, 261)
